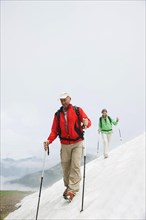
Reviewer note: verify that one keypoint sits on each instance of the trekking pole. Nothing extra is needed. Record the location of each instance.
(120, 135)
(42, 176)
(98, 143)
(83, 177)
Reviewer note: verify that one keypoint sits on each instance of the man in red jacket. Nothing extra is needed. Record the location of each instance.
(68, 125)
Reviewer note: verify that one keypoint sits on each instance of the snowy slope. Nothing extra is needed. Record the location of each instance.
(115, 189)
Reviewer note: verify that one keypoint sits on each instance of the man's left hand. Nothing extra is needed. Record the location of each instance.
(85, 122)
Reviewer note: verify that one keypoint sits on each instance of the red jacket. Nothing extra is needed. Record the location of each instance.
(68, 129)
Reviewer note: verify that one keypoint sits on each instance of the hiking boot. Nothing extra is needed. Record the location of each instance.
(69, 196)
(65, 192)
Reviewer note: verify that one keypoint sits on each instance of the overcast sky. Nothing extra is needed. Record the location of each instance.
(95, 50)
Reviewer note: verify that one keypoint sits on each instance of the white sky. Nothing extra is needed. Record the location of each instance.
(95, 50)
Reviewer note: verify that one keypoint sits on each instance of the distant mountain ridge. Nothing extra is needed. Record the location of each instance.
(18, 168)
(50, 176)
(27, 173)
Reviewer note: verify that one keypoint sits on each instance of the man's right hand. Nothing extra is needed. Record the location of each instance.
(46, 144)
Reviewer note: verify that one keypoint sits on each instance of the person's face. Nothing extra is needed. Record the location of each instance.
(104, 114)
(65, 102)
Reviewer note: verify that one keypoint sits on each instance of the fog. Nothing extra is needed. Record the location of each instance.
(92, 49)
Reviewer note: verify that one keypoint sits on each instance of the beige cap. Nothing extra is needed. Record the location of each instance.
(64, 95)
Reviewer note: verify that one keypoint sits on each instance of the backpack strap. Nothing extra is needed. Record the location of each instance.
(58, 116)
(78, 114)
(100, 119)
(78, 129)
(110, 119)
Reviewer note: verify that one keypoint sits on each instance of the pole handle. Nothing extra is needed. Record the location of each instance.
(120, 135)
(84, 146)
(48, 150)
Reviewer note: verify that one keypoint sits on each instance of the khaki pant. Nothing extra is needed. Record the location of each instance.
(106, 142)
(71, 161)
